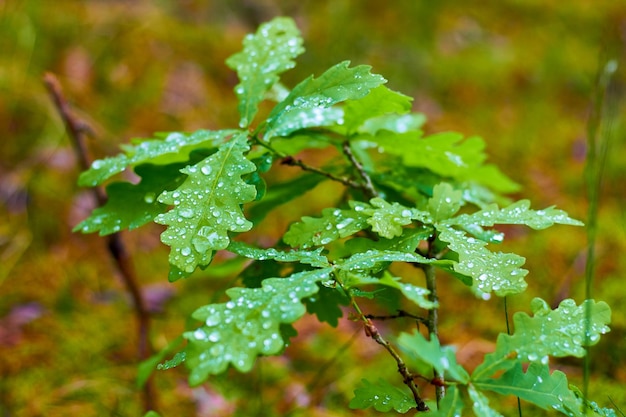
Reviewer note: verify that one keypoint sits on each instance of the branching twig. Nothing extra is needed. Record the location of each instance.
(401, 313)
(76, 129)
(368, 186)
(291, 161)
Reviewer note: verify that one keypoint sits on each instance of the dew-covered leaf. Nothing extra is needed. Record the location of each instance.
(334, 224)
(417, 295)
(266, 54)
(490, 271)
(480, 403)
(379, 102)
(130, 205)
(309, 103)
(537, 385)
(174, 147)
(207, 206)
(407, 242)
(248, 325)
(517, 213)
(560, 332)
(366, 261)
(445, 202)
(282, 193)
(443, 359)
(382, 396)
(396, 123)
(313, 258)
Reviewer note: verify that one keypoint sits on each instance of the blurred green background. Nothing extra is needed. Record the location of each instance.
(520, 73)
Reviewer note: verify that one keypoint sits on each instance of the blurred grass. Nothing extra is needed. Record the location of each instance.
(519, 73)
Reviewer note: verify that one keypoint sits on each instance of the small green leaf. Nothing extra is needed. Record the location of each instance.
(382, 396)
(396, 123)
(369, 260)
(130, 205)
(480, 403)
(175, 147)
(248, 325)
(516, 213)
(334, 224)
(266, 54)
(416, 294)
(445, 202)
(490, 271)
(407, 242)
(309, 103)
(538, 386)
(387, 219)
(207, 206)
(152, 414)
(431, 352)
(380, 101)
(313, 258)
(560, 332)
(326, 305)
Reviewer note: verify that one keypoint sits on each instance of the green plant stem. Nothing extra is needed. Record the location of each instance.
(291, 161)
(368, 186)
(432, 324)
(76, 129)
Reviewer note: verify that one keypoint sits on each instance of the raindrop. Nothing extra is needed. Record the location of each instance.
(186, 251)
(149, 197)
(206, 170)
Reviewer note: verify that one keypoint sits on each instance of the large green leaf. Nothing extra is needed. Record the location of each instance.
(248, 325)
(130, 205)
(517, 213)
(387, 219)
(560, 332)
(207, 206)
(313, 258)
(443, 359)
(490, 271)
(309, 103)
(266, 54)
(382, 396)
(537, 385)
(445, 202)
(407, 242)
(175, 147)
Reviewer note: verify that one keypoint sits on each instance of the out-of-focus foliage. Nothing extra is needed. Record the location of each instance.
(518, 73)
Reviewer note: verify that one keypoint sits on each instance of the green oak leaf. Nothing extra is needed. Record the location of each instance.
(266, 54)
(381, 101)
(207, 206)
(130, 205)
(396, 123)
(334, 224)
(382, 396)
(313, 258)
(451, 405)
(326, 304)
(445, 202)
(443, 359)
(537, 385)
(480, 403)
(560, 332)
(248, 325)
(174, 147)
(490, 271)
(517, 213)
(387, 219)
(407, 242)
(310, 103)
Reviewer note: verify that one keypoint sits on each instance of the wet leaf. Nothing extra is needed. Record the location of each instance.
(248, 325)
(559, 333)
(517, 213)
(207, 206)
(387, 219)
(174, 147)
(396, 123)
(130, 205)
(326, 305)
(382, 396)
(480, 403)
(443, 359)
(309, 103)
(380, 101)
(266, 54)
(451, 405)
(537, 385)
(313, 258)
(490, 271)
(445, 202)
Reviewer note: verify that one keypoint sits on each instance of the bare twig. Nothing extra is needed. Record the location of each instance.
(291, 161)
(77, 129)
(368, 186)
(400, 313)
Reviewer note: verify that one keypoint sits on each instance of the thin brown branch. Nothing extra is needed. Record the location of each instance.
(291, 161)
(400, 313)
(367, 186)
(77, 129)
